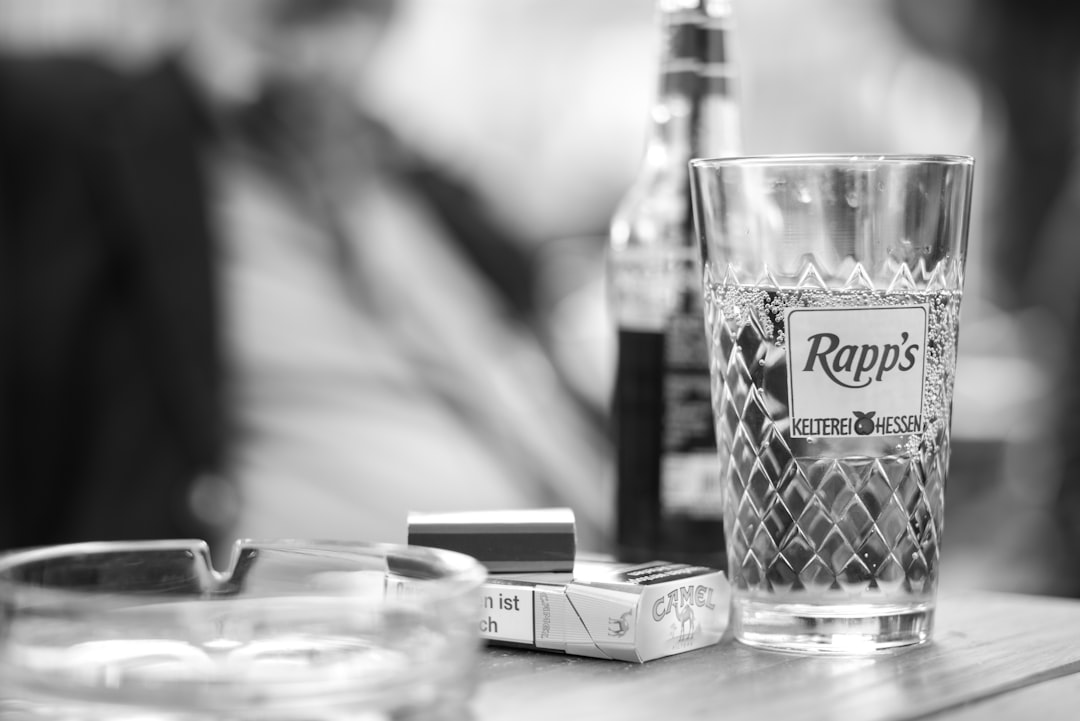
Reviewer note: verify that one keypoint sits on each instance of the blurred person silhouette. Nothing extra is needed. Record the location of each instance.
(1026, 56)
(383, 327)
(110, 378)
(366, 333)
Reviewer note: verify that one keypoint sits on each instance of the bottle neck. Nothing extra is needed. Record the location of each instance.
(695, 113)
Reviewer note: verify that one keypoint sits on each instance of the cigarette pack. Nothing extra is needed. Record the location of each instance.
(613, 611)
(541, 540)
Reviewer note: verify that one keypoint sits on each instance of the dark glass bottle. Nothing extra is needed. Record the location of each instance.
(668, 503)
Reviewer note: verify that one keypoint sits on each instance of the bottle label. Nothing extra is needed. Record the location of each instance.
(856, 371)
(690, 478)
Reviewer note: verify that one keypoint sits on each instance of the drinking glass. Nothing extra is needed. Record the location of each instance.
(293, 630)
(832, 289)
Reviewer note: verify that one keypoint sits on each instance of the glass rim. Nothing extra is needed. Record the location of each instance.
(454, 573)
(822, 160)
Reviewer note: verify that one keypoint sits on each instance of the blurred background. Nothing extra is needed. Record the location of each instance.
(293, 268)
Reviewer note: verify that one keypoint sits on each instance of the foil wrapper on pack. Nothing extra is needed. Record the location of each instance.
(528, 540)
(622, 612)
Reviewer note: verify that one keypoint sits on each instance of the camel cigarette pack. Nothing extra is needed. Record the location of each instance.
(613, 611)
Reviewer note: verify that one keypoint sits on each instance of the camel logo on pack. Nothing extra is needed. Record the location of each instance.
(619, 627)
(856, 371)
(685, 614)
(680, 603)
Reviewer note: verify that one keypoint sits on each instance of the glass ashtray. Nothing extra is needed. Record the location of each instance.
(291, 630)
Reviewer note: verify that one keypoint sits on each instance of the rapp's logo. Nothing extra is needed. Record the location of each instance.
(856, 371)
(857, 366)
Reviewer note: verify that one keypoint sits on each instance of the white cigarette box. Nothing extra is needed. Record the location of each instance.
(614, 611)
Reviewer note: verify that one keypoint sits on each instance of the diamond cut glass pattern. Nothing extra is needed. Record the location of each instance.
(832, 466)
(815, 527)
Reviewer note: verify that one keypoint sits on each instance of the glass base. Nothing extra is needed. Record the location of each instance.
(831, 630)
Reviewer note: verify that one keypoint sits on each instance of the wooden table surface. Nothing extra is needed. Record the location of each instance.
(994, 656)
